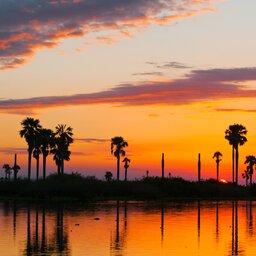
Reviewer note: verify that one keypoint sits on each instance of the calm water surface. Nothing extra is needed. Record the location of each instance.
(129, 228)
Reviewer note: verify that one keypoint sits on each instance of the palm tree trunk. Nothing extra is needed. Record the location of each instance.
(118, 166)
(44, 166)
(233, 164)
(251, 170)
(29, 163)
(62, 166)
(37, 168)
(217, 170)
(237, 157)
(125, 175)
(58, 167)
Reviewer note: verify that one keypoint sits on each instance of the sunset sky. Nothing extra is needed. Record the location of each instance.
(169, 76)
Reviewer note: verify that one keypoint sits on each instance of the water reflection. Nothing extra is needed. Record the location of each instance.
(217, 221)
(162, 221)
(129, 228)
(36, 241)
(117, 246)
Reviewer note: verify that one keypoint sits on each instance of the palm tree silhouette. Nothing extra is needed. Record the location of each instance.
(251, 161)
(30, 129)
(126, 166)
(246, 175)
(117, 148)
(235, 134)
(108, 176)
(218, 156)
(46, 143)
(7, 170)
(15, 167)
(37, 152)
(61, 141)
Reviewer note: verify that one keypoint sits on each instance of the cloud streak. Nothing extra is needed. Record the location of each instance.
(28, 25)
(10, 150)
(197, 86)
(92, 140)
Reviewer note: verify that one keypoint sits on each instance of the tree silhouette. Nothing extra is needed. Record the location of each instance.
(251, 161)
(246, 175)
(15, 167)
(7, 170)
(46, 143)
(37, 152)
(61, 141)
(30, 130)
(117, 148)
(235, 134)
(218, 156)
(126, 162)
(108, 176)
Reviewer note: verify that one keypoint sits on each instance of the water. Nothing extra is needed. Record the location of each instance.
(128, 228)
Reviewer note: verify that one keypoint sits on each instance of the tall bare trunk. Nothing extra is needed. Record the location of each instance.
(251, 171)
(233, 164)
(29, 163)
(37, 168)
(118, 166)
(125, 175)
(237, 157)
(62, 166)
(44, 165)
(217, 170)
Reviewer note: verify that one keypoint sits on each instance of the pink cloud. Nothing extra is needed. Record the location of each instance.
(28, 25)
(197, 86)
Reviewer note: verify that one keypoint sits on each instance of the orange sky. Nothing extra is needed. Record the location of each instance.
(169, 76)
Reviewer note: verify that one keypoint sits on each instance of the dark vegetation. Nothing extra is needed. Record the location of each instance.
(44, 142)
(74, 186)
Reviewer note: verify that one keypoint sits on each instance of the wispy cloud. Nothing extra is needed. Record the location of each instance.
(235, 110)
(77, 153)
(197, 86)
(148, 74)
(169, 65)
(28, 25)
(10, 150)
(153, 115)
(92, 140)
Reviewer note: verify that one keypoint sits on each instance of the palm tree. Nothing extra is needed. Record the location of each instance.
(108, 176)
(117, 148)
(61, 141)
(126, 166)
(46, 143)
(218, 156)
(235, 134)
(246, 175)
(37, 152)
(7, 170)
(251, 161)
(30, 129)
(15, 167)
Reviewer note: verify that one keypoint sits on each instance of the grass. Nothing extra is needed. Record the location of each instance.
(75, 186)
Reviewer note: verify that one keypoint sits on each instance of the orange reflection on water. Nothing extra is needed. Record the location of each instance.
(129, 228)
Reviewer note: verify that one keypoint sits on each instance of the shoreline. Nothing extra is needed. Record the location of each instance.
(74, 187)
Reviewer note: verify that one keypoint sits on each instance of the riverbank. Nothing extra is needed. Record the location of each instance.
(74, 186)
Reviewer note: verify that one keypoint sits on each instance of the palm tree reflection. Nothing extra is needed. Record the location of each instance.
(52, 243)
(118, 245)
(235, 228)
(162, 221)
(217, 221)
(198, 220)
